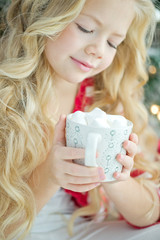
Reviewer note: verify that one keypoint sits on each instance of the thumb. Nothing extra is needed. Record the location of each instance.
(59, 132)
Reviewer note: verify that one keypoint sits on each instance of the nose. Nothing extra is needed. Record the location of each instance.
(95, 49)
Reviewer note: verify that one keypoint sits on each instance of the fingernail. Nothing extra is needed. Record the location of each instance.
(126, 143)
(101, 174)
(121, 157)
(117, 175)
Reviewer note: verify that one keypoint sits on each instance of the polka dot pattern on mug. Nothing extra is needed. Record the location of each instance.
(108, 148)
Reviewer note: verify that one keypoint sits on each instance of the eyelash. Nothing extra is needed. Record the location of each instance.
(111, 45)
(83, 29)
(86, 31)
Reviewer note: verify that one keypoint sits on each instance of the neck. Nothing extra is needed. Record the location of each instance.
(65, 94)
(65, 89)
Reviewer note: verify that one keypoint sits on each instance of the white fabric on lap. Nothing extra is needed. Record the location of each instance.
(50, 224)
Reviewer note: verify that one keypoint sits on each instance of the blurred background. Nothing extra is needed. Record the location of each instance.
(152, 88)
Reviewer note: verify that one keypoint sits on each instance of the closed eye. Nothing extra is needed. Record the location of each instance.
(83, 29)
(111, 45)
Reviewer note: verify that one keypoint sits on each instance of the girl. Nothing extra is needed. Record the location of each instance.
(57, 57)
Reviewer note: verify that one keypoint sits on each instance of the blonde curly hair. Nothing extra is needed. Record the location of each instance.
(26, 87)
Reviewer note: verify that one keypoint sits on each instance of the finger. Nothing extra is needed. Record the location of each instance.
(83, 171)
(81, 188)
(134, 138)
(125, 160)
(82, 180)
(130, 147)
(122, 176)
(59, 133)
(69, 153)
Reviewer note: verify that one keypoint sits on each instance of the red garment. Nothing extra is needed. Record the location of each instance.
(83, 99)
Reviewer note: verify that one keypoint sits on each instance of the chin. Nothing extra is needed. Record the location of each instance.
(76, 80)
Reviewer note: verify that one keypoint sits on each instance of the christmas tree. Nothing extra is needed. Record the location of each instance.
(152, 88)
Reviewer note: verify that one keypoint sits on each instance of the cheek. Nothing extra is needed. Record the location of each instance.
(68, 41)
(64, 44)
(107, 61)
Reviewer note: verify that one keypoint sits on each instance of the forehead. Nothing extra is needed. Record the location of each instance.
(115, 13)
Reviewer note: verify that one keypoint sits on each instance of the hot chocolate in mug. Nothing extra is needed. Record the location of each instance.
(100, 133)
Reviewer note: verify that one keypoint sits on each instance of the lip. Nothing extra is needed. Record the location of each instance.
(86, 67)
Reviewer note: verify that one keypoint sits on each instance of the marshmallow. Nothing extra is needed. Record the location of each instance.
(116, 120)
(79, 117)
(99, 122)
(98, 118)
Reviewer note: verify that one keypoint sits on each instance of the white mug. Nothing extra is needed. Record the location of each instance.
(107, 141)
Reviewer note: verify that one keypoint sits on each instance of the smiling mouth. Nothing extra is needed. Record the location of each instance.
(82, 65)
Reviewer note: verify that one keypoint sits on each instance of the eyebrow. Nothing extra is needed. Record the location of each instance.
(119, 35)
(94, 18)
(101, 24)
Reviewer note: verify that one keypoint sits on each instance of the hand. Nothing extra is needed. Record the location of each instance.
(127, 160)
(63, 171)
